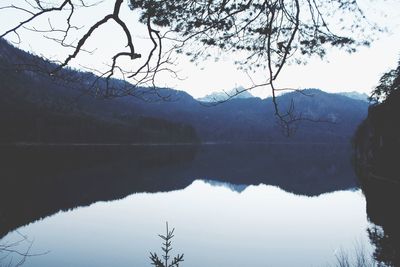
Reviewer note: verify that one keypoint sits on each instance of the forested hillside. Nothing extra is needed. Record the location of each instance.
(38, 108)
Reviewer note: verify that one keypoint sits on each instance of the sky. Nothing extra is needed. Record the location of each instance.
(337, 72)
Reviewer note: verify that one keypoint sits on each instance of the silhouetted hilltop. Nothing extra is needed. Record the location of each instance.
(223, 96)
(356, 95)
(35, 108)
(253, 120)
(32, 102)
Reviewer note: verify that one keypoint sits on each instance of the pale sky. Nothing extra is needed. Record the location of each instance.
(338, 72)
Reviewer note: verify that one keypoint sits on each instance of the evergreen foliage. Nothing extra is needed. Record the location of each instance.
(166, 248)
(388, 83)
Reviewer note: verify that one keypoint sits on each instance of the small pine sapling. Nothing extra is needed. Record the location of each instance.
(166, 248)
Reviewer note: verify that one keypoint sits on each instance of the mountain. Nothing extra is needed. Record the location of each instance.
(238, 92)
(34, 107)
(356, 95)
(253, 120)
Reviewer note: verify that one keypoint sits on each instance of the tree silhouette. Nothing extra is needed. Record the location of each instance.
(166, 248)
(389, 82)
(259, 34)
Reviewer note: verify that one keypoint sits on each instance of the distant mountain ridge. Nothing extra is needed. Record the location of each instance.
(238, 92)
(35, 100)
(356, 95)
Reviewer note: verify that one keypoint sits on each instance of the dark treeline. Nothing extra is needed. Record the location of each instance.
(377, 141)
(377, 146)
(38, 125)
(38, 108)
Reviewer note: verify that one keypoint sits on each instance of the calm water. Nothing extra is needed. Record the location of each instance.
(230, 206)
(215, 226)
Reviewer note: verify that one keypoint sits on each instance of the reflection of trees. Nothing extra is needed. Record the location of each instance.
(386, 244)
(360, 258)
(14, 253)
(64, 177)
(37, 181)
(382, 197)
(382, 211)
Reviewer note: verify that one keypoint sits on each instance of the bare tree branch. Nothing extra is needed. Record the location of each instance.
(261, 34)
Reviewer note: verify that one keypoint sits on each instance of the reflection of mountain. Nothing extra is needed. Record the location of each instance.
(39, 181)
(263, 220)
(234, 187)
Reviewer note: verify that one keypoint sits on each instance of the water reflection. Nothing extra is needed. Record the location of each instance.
(40, 181)
(382, 198)
(15, 250)
(261, 225)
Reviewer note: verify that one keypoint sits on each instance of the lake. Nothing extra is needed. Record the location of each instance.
(230, 205)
